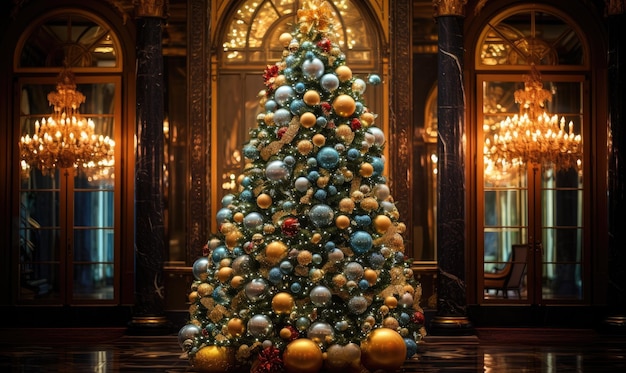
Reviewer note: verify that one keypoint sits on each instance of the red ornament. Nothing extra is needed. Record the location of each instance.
(355, 124)
(290, 226)
(326, 107)
(270, 73)
(418, 317)
(281, 131)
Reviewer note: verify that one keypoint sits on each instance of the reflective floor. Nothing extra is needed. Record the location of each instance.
(490, 350)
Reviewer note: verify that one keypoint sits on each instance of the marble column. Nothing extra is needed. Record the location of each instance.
(148, 311)
(616, 292)
(451, 317)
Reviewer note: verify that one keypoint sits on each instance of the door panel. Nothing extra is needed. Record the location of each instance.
(540, 206)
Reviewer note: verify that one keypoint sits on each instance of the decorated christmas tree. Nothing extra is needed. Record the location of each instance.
(307, 272)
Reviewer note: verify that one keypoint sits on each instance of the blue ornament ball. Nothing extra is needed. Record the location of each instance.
(286, 266)
(227, 200)
(374, 79)
(275, 275)
(297, 107)
(300, 87)
(353, 154)
(200, 268)
(361, 242)
(411, 347)
(223, 215)
(320, 195)
(378, 165)
(321, 122)
(246, 196)
(219, 253)
(271, 105)
(295, 287)
(289, 160)
(328, 157)
(251, 152)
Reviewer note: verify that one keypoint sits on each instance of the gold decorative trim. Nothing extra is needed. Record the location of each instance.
(150, 8)
(449, 7)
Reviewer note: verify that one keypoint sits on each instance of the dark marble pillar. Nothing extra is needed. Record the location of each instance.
(451, 318)
(616, 296)
(148, 312)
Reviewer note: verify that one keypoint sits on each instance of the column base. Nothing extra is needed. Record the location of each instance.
(149, 325)
(451, 326)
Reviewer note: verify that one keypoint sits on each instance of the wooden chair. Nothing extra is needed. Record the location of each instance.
(511, 276)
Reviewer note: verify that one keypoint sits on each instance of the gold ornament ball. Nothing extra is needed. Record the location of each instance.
(311, 97)
(316, 238)
(282, 303)
(308, 119)
(342, 222)
(193, 296)
(214, 359)
(238, 217)
(346, 205)
(204, 289)
(232, 238)
(236, 281)
(285, 39)
(275, 251)
(383, 349)
(344, 73)
(224, 274)
(366, 169)
(264, 200)
(319, 140)
(367, 118)
(370, 275)
(236, 327)
(344, 132)
(303, 356)
(280, 80)
(382, 223)
(344, 105)
(391, 302)
(305, 147)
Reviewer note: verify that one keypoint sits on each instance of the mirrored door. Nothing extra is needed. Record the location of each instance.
(531, 215)
(67, 217)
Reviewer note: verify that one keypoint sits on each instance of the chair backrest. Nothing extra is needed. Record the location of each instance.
(520, 257)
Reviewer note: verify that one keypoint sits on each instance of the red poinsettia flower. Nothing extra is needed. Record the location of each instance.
(324, 45)
(355, 124)
(269, 75)
(269, 361)
(290, 226)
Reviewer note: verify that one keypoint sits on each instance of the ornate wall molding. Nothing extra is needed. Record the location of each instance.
(198, 83)
(400, 112)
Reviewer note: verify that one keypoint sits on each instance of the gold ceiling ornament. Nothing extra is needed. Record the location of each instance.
(65, 139)
(533, 136)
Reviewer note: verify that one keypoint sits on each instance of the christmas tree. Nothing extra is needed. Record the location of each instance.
(307, 272)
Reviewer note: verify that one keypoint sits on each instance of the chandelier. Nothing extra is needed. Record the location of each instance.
(65, 140)
(533, 136)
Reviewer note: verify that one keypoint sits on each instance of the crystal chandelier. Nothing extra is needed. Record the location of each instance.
(532, 137)
(65, 139)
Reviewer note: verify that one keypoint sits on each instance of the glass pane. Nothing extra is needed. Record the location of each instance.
(72, 39)
(93, 209)
(39, 281)
(93, 281)
(566, 285)
(530, 36)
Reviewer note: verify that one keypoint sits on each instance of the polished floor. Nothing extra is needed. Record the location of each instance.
(490, 350)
